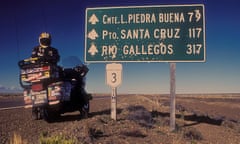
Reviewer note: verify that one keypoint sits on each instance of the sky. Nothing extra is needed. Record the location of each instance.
(21, 22)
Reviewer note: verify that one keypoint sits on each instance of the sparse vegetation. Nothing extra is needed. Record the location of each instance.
(17, 139)
(192, 134)
(228, 124)
(232, 125)
(136, 122)
(140, 115)
(134, 133)
(57, 139)
(96, 133)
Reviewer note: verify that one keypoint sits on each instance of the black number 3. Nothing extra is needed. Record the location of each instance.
(114, 77)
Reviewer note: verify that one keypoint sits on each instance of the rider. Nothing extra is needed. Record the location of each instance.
(48, 54)
(44, 51)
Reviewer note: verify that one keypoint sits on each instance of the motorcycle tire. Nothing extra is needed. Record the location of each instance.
(49, 115)
(36, 113)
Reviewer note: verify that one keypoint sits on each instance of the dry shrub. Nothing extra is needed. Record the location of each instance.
(232, 125)
(17, 139)
(192, 134)
(162, 121)
(133, 133)
(96, 133)
(140, 115)
(58, 139)
(228, 124)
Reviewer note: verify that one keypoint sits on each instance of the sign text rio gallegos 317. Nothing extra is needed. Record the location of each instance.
(165, 33)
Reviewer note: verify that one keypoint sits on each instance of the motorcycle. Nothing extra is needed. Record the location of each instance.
(51, 90)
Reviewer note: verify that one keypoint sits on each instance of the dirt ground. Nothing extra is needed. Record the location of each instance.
(143, 119)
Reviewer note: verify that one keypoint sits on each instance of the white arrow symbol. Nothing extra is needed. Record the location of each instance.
(93, 49)
(92, 34)
(93, 19)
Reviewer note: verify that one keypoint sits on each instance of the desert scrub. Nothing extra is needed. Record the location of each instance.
(192, 134)
(140, 115)
(58, 139)
(17, 139)
(231, 124)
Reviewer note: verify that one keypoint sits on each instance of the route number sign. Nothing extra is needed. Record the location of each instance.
(114, 75)
(158, 33)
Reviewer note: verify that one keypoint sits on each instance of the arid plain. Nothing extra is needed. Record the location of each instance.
(200, 119)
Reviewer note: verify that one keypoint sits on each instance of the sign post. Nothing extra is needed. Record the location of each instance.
(114, 79)
(172, 95)
(114, 104)
(159, 33)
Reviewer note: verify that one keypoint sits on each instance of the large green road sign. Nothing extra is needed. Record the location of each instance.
(165, 33)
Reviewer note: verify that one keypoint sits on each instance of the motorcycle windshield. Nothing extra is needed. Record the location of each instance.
(71, 61)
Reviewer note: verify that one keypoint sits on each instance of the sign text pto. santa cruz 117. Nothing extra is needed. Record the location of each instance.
(168, 33)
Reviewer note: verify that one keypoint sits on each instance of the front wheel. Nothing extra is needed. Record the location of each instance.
(36, 113)
(50, 115)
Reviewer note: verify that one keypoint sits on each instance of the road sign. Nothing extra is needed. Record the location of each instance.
(114, 74)
(114, 79)
(163, 33)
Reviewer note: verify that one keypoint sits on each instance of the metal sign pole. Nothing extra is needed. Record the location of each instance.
(172, 95)
(114, 104)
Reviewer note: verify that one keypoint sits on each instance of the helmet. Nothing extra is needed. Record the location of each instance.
(45, 39)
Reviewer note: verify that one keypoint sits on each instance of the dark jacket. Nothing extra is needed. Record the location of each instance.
(48, 54)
